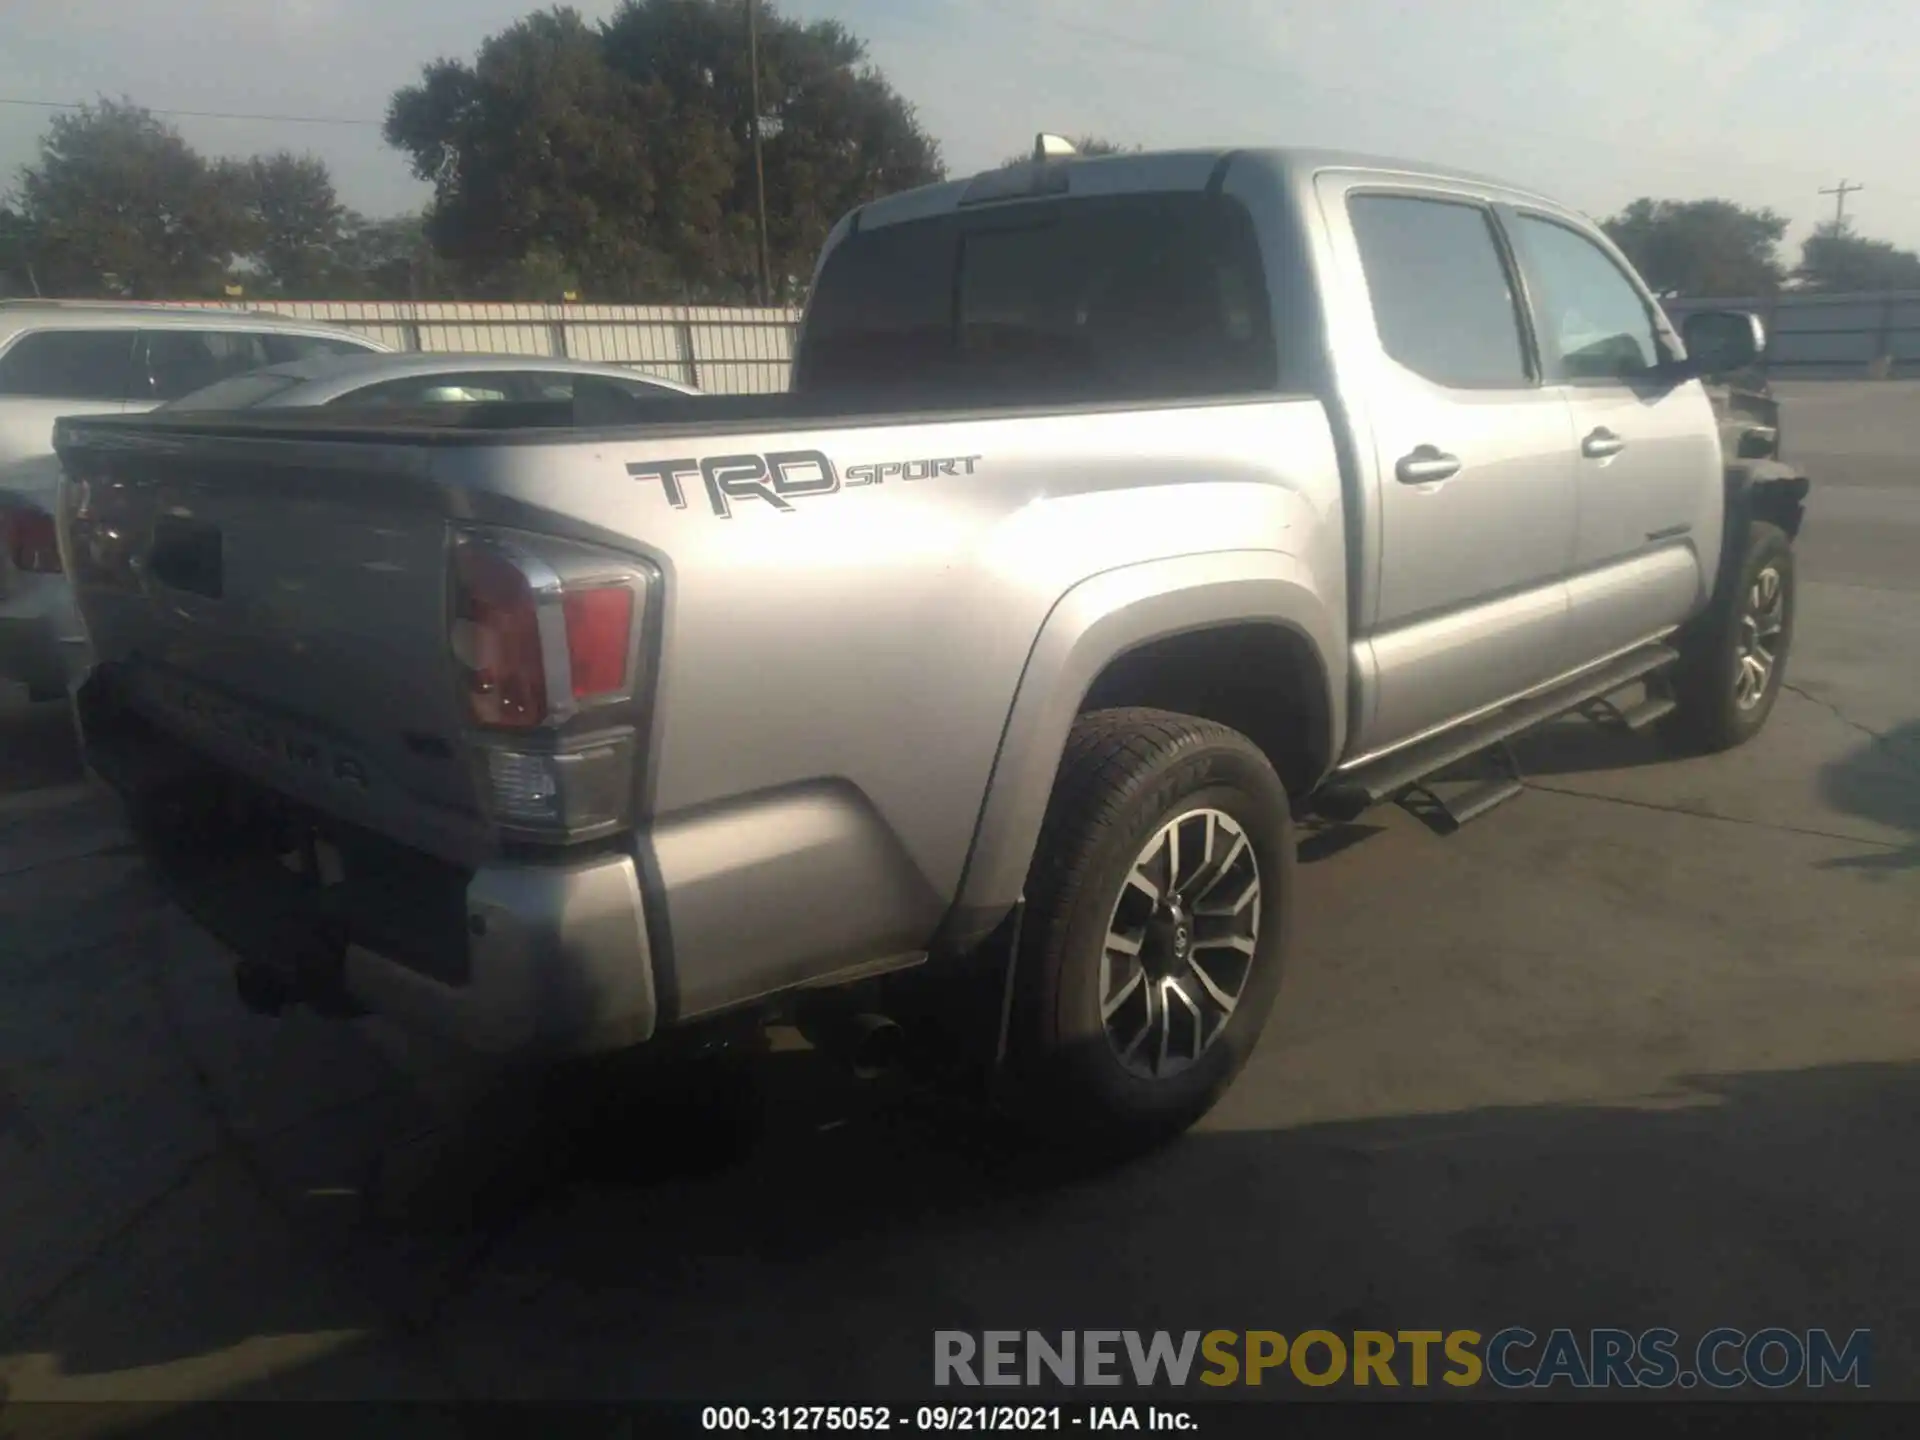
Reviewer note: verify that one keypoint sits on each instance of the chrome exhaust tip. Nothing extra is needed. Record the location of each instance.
(871, 1046)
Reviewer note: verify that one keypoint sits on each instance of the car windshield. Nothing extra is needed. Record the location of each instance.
(241, 392)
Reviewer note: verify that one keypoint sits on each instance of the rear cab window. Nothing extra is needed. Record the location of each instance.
(1148, 296)
(69, 365)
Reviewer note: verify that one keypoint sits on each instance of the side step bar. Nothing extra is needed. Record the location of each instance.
(1352, 793)
(1658, 704)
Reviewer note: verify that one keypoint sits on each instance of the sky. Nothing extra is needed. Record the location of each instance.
(1596, 102)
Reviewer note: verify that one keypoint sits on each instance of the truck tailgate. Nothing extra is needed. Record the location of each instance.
(283, 608)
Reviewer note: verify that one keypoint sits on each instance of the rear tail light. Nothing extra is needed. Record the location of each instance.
(546, 636)
(576, 793)
(29, 539)
(599, 639)
(496, 638)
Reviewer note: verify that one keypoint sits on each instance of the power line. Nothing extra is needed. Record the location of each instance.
(197, 114)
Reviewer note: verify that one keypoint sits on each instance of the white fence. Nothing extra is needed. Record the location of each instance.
(721, 350)
(1818, 336)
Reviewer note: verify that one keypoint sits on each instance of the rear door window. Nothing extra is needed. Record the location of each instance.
(69, 365)
(1444, 304)
(1152, 296)
(178, 362)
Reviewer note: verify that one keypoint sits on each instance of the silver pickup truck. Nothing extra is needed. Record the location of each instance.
(1121, 512)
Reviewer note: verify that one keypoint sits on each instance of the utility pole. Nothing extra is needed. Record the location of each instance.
(759, 169)
(1839, 193)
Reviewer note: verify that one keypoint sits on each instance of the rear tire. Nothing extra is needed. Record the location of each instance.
(1156, 929)
(1733, 663)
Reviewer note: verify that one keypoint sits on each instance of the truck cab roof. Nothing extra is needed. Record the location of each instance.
(1156, 170)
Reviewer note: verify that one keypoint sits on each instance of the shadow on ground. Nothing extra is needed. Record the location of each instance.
(793, 1236)
(1879, 781)
(37, 745)
(1574, 745)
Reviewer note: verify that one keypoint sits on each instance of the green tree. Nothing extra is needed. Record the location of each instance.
(621, 154)
(1085, 144)
(391, 259)
(296, 223)
(1833, 258)
(1701, 247)
(19, 252)
(121, 204)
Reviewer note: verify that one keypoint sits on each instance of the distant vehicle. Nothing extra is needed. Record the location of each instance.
(403, 381)
(82, 357)
(1121, 510)
(86, 357)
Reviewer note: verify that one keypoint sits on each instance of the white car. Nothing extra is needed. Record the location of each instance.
(68, 357)
(41, 643)
(395, 381)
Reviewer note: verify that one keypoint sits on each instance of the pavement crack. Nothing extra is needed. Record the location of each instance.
(127, 1224)
(1751, 824)
(1884, 743)
(113, 848)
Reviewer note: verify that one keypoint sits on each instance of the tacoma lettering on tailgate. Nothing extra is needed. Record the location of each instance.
(288, 748)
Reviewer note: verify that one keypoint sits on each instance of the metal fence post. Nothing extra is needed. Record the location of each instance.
(1881, 367)
(685, 328)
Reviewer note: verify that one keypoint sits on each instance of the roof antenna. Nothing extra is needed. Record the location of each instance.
(1051, 147)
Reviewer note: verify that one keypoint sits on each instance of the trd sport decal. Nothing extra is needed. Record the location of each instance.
(782, 476)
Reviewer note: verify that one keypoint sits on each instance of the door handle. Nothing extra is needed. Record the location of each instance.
(1426, 464)
(1601, 444)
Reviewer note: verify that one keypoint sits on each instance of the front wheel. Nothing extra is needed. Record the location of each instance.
(1157, 919)
(1733, 665)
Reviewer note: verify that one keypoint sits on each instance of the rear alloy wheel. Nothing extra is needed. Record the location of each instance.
(1733, 659)
(1180, 944)
(1155, 929)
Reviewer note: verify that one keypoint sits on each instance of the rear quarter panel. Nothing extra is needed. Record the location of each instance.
(835, 678)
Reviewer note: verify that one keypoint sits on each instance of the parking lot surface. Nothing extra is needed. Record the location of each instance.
(1640, 1048)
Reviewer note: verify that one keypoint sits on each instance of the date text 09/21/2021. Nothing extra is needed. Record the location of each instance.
(945, 1419)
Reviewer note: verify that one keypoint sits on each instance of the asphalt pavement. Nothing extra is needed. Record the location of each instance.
(1636, 1049)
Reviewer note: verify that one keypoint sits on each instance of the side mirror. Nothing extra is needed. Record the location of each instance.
(1721, 341)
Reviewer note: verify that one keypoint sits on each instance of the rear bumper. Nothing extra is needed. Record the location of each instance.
(41, 640)
(557, 965)
(510, 960)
